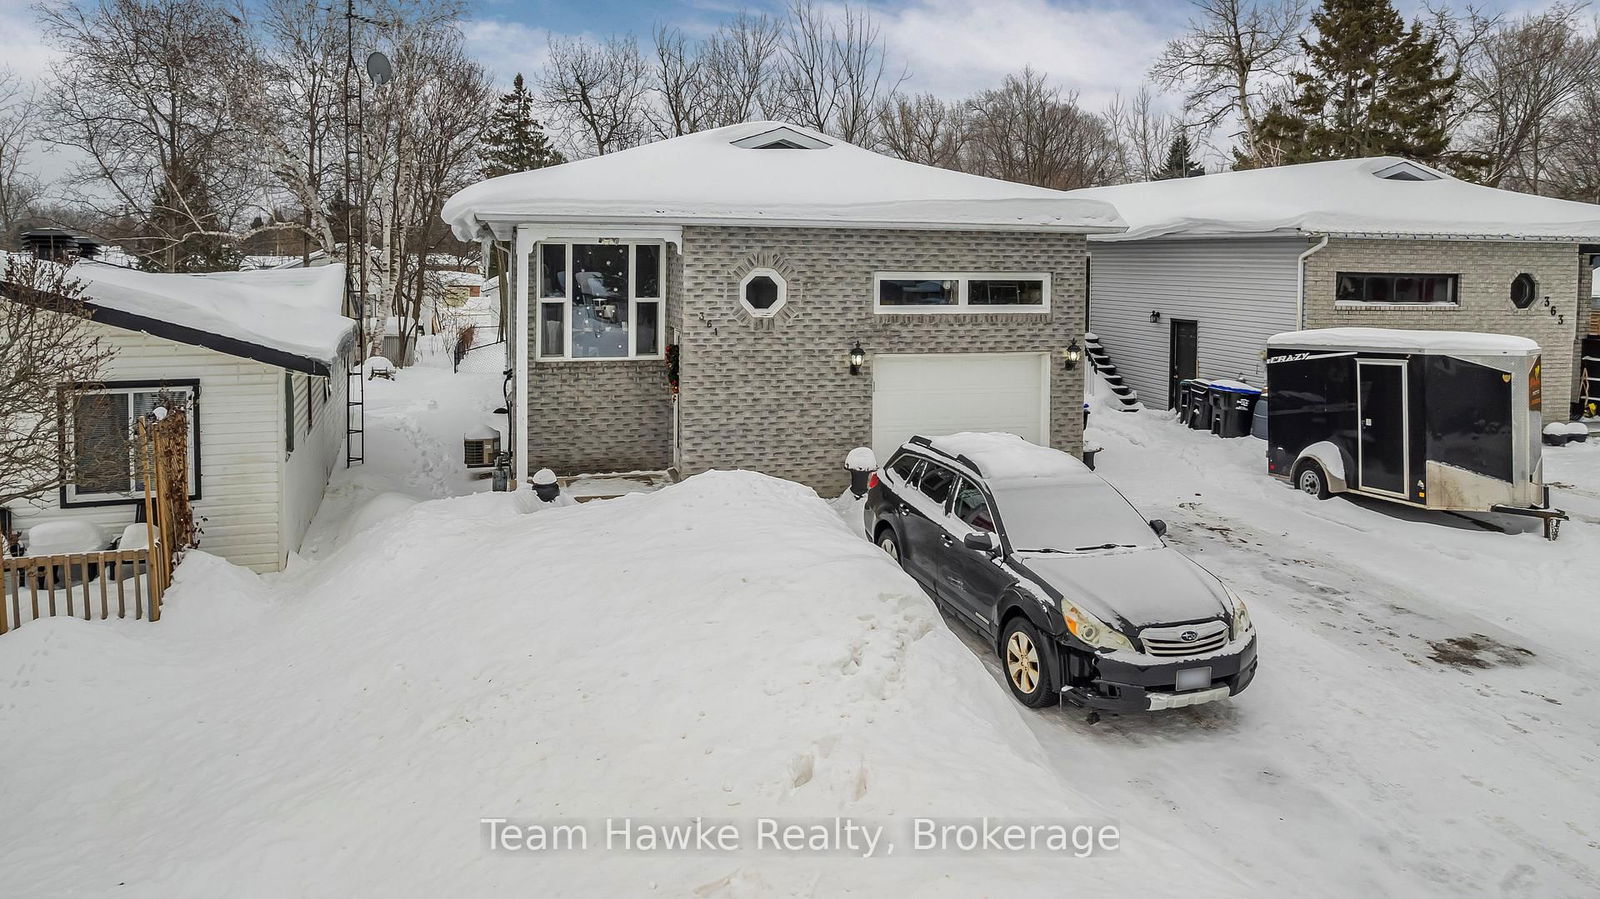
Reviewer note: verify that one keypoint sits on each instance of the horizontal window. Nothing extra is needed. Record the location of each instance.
(911, 292)
(600, 300)
(1397, 289)
(104, 465)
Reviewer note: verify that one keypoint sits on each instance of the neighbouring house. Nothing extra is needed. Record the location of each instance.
(260, 358)
(1212, 266)
(695, 304)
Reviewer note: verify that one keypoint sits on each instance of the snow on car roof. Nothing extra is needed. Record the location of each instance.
(1007, 457)
(722, 175)
(1383, 195)
(292, 311)
(1403, 341)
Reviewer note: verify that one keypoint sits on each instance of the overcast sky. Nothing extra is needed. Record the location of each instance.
(949, 47)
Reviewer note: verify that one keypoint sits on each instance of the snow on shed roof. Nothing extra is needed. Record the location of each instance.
(726, 176)
(293, 315)
(1401, 341)
(1382, 195)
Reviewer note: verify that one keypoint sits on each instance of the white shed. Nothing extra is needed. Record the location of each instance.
(260, 355)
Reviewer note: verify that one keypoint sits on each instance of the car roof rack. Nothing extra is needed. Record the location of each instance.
(927, 444)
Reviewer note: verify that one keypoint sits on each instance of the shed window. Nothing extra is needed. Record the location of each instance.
(105, 463)
(600, 300)
(1397, 289)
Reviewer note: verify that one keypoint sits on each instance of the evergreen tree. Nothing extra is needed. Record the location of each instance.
(1180, 160)
(1373, 88)
(514, 140)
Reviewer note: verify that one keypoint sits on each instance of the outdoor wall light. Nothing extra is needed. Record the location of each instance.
(1155, 316)
(858, 358)
(1072, 355)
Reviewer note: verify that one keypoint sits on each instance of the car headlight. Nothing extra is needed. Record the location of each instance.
(1092, 630)
(1241, 615)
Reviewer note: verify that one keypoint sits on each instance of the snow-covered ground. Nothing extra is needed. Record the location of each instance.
(729, 647)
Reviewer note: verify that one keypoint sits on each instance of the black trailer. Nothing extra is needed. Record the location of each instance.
(1435, 419)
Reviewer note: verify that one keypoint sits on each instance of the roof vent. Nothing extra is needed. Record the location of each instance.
(781, 139)
(1406, 171)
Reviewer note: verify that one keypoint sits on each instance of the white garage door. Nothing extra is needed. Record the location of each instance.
(934, 395)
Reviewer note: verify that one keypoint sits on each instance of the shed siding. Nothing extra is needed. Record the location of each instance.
(1239, 291)
(316, 452)
(241, 447)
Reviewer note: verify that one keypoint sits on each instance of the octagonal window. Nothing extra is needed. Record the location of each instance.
(1524, 290)
(763, 292)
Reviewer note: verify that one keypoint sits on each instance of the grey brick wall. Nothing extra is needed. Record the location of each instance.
(603, 416)
(1486, 269)
(776, 395)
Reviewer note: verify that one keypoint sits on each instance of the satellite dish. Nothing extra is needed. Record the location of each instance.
(379, 69)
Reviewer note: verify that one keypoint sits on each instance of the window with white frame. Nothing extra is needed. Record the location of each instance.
(104, 464)
(916, 292)
(600, 300)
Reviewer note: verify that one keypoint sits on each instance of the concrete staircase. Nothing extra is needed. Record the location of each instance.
(1127, 398)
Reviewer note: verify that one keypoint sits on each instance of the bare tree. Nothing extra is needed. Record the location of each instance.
(19, 189)
(923, 129)
(1529, 72)
(1143, 132)
(680, 73)
(598, 93)
(50, 355)
(1031, 132)
(740, 62)
(1572, 170)
(1233, 52)
(834, 72)
(147, 91)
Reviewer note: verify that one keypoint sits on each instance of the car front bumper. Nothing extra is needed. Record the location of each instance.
(1114, 685)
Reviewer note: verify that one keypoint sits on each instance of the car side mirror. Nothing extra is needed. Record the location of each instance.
(1159, 526)
(982, 541)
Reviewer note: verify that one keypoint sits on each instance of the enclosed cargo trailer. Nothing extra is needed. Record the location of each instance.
(1441, 420)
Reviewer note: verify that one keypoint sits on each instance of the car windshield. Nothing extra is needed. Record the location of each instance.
(1071, 518)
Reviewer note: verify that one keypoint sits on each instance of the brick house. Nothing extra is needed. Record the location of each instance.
(1210, 267)
(696, 304)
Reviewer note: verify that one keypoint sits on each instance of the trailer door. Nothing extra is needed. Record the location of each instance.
(1381, 413)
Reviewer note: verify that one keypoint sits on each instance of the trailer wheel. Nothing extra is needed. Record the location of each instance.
(1310, 479)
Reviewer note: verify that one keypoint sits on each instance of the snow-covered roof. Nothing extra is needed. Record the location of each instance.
(733, 175)
(293, 314)
(1007, 457)
(1381, 196)
(1402, 341)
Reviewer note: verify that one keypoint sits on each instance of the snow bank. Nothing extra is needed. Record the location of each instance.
(1340, 197)
(1404, 341)
(724, 647)
(295, 311)
(704, 177)
(1007, 457)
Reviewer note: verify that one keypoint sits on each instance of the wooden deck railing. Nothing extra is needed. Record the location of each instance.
(81, 585)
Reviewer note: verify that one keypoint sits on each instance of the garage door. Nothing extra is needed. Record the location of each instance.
(934, 395)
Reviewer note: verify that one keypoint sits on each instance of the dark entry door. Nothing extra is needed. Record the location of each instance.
(1381, 411)
(1184, 352)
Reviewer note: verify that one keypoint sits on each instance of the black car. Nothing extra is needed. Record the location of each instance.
(1081, 597)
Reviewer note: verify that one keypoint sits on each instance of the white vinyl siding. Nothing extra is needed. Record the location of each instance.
(317, 452)
(1239, 291)
(241, 433)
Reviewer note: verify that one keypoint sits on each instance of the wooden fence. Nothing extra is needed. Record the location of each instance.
(81, 585)
(140, 576)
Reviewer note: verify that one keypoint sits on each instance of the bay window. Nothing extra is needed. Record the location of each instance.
(104, 466)
(600, 300)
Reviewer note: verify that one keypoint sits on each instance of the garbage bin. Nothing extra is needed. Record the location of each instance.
(1232, 406)
(1200, 409)
(1258, 419)
(1181, 403)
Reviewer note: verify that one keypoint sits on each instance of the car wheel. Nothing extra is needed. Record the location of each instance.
(1312, 481)
(1022, 659)
(889, 544)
